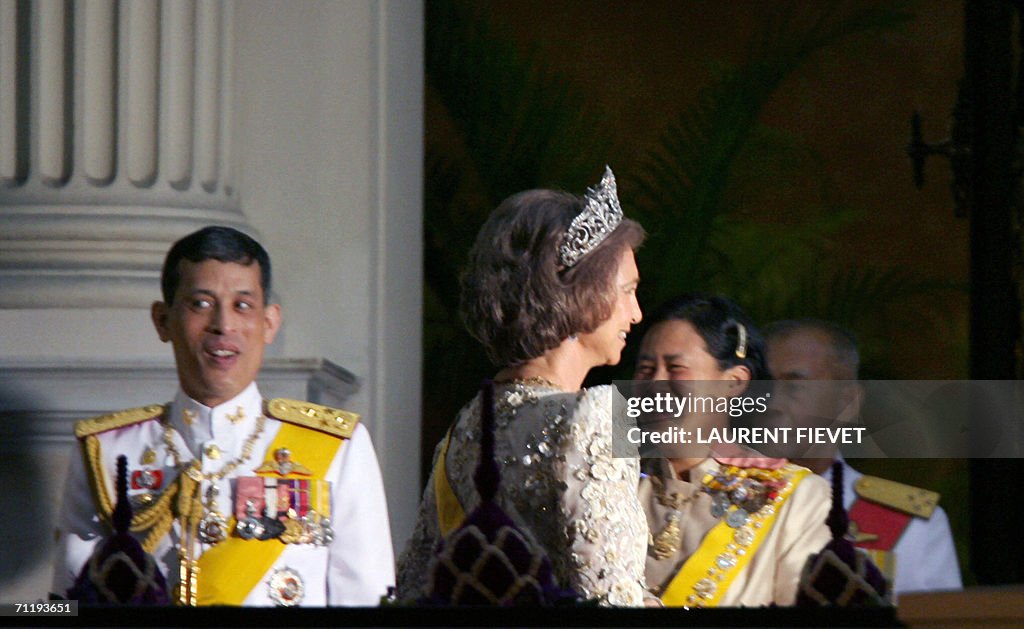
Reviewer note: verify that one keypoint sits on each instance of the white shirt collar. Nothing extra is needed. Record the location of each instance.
(226, 423)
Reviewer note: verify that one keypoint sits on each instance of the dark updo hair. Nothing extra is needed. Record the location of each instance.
(517, 298)
(717, 320)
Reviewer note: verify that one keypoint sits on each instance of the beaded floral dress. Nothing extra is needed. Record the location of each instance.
(559, 483)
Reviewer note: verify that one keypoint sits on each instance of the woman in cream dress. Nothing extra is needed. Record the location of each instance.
(550, 292)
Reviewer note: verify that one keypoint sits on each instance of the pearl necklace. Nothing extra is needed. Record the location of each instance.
(533, 381)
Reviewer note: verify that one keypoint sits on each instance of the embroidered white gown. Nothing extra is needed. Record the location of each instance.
(559, 483)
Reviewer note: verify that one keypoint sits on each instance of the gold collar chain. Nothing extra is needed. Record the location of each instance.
(194, 472)
(199, 521)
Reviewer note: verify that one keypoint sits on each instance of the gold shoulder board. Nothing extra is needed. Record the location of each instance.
(103, 423)
(905, 498)
(333, 421)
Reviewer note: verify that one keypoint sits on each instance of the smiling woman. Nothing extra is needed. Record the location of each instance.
(724, 532)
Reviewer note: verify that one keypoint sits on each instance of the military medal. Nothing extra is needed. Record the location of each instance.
(292, 510)
(326, 532)
(283, 465)
(283, 493)
(147, 479)
(272, 528)
(249, 504)
(737, 518)
(213, 526)
(322, 533)
(292, 532)
(285, 587)
(719, 505)
(249, 527)
(317, 520)
(668, 541)
(320, 498)
(737, 493)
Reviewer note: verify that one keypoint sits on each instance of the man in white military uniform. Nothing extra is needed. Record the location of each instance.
(241, 500)
(905, 532)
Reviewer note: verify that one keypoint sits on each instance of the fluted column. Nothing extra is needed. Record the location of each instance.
(114, 141)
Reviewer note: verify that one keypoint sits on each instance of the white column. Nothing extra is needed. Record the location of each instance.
(113, 144)
(397, 258)
(330, 168)
(314, 108)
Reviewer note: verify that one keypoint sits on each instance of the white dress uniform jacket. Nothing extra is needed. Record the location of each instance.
(925, 554)
(355, 568)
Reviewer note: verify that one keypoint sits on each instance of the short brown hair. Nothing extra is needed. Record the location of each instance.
(517, 298)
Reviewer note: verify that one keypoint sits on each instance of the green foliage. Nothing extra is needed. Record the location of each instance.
(507, 124)
(701, 187)
(518, 124)
(683, 188)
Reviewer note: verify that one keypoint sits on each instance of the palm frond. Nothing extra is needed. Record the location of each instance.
(522, 125)
(685, 178)
(502, 122)
(874, 301)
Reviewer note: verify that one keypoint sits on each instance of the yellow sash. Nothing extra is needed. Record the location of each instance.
(229, 571)
(703, 580)
(449, 512)
(885, 560)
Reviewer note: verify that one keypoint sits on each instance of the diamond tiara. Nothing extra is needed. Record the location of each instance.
(600, 216)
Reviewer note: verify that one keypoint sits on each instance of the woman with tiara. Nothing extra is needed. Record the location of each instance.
(550, 292)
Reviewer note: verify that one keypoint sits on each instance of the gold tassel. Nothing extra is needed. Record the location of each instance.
(190, 511)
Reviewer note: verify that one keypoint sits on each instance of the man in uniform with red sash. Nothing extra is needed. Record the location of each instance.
(241, 500)
(902, 528)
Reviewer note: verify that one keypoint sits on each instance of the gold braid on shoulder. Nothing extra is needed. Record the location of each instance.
(156, 518)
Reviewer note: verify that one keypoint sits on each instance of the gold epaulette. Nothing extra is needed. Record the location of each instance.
(103, 423)
(906, 498)
(332, 421)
